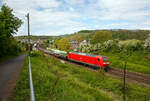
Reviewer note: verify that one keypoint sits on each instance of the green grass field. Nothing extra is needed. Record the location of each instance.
(57, 81)
(137, 62)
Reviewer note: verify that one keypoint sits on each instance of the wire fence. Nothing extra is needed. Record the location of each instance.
(32, 98)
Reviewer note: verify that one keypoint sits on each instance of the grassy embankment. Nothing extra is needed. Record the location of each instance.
(137, 62)
(57, 81)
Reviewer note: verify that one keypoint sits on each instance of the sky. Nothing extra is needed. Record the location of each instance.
(58, 17)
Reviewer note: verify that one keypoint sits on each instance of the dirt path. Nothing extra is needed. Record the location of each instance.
(9, 72)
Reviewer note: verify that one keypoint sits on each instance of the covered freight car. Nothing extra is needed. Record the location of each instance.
(95, 61)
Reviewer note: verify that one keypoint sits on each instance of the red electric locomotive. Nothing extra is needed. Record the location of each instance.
(92, 60)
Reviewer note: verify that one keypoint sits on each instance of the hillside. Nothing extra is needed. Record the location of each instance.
(116, 34)
(37, 37)
(121, 34)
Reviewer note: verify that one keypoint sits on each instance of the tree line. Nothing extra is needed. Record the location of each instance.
(120, 34)
(104, 41)
(9, 25)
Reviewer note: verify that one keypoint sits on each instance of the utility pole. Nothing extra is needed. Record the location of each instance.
(32, 97)
(28, 33)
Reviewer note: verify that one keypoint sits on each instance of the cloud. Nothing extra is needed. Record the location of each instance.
(74, 2)
(55, 17)
(125, 9)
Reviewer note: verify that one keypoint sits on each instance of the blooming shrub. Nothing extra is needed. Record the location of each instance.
(147, 43)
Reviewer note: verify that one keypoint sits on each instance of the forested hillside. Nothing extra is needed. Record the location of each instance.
(116, 34)
(37, 37)
(121, 34)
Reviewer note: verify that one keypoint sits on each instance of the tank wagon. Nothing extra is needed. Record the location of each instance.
(95, 61)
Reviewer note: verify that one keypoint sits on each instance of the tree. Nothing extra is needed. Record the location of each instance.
(77, 38)
(9, 25)
(55, 44)
(64, 44)
(100, 36)
(147, 43)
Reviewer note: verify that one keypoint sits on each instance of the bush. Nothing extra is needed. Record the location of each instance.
(35, 53)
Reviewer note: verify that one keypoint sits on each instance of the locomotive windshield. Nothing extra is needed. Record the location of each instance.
(105, 59)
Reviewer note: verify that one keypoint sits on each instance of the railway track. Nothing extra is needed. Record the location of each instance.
(131, 75)
(141, 78)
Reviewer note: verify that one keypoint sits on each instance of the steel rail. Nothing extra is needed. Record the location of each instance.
(32, 98)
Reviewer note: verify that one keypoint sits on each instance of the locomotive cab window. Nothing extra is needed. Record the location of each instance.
(105, 59)
(98, 59)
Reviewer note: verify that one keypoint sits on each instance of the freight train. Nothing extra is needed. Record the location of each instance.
(95, 61)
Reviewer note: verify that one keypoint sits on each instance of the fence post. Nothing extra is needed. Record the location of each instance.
(145, 97)
(129, 98)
